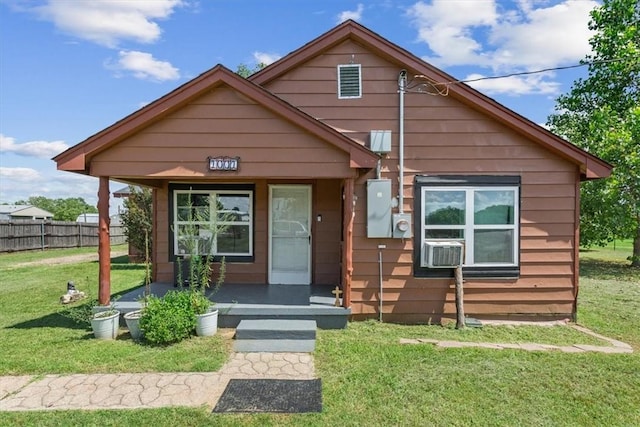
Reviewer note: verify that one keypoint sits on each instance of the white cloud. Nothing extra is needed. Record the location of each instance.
(356, 15)
(19, 174)
(19, 183)
(505, 37)
(265, 58)
(39, 149)
(144, 66)
(108, 22)
(544, 37)
(515, 85)
(447, 28)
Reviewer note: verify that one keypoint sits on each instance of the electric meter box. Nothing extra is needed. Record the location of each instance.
(379, 208)
(401, 226)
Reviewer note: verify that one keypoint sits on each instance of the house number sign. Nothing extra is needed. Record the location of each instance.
(223, 163)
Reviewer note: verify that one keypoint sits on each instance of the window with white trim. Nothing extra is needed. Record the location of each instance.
(483, 213)
(218, 222)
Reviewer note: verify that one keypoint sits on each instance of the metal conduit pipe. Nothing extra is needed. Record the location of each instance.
(402, 82)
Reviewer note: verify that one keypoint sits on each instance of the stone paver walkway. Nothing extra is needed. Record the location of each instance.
(614, 347)
(150, 390)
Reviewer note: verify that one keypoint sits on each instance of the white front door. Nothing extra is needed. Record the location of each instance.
(290, 234)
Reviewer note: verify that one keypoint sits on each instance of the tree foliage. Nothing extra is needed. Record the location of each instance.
(601, 114)
(62, 209)
(245, 71)
(137, 217)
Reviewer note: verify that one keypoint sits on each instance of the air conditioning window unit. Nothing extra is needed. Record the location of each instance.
(439, 254)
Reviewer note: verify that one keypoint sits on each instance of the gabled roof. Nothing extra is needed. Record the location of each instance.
(22, 211)
(76, 158)
(591, 166)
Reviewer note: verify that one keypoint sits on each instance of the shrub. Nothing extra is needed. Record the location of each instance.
(168, 319)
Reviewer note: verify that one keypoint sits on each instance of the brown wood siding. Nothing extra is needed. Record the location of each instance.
(327, 234)
(222, 123)
(444, 136)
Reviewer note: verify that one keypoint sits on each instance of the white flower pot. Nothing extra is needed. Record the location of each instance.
(207, 323)
(105, 326)
(132, 319)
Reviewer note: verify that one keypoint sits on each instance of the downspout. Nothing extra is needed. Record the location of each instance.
(402, 81)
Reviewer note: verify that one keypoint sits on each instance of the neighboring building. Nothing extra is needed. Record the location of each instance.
(310, 151)
(17, 212)
(89, 218)
(93, 218)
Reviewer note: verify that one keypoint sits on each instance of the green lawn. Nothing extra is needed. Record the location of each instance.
(37, 338)
(368, 377)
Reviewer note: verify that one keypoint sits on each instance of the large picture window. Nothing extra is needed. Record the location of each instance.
(480, 212)
(217, 221)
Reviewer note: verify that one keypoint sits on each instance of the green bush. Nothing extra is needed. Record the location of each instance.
(168, 319)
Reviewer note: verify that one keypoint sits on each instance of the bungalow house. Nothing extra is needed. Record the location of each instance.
(352, 162)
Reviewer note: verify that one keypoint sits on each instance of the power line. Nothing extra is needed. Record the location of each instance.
(443, 88)
(544, 70)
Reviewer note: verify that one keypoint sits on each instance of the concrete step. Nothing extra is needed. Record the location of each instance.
(274, 346)
(276, 329)
(326, 317)
(275, 335)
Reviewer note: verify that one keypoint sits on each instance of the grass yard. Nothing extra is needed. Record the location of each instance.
(368, 377)
(36, 337)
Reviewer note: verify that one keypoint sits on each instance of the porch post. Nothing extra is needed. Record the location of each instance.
(154, 234)
(347, 238)
(104, 244)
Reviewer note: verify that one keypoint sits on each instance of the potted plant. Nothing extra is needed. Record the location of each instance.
(203, 308)
(105, 322)
(195, 265)
(104, 319)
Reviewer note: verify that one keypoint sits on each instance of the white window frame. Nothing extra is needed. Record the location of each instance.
(469, 227)
(213, 219)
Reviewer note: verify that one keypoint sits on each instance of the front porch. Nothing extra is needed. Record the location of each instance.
(237, 302)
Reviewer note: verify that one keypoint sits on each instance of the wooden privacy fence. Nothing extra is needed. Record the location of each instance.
(28, 235)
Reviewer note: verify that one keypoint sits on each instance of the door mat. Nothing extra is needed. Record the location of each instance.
(271, 395)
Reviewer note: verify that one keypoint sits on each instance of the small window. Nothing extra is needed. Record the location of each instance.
(349, 81)
(482, 212)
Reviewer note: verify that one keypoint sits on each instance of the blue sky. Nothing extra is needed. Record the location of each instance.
(70, 68)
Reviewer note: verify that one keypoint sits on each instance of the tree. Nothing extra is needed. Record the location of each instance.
(62, 209)
(245, 71)
(137, 218)
(601, 114)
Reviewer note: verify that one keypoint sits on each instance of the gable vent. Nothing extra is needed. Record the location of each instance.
(349, 81)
